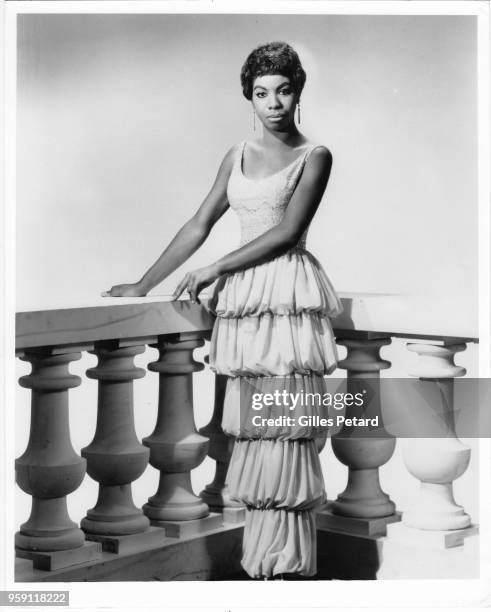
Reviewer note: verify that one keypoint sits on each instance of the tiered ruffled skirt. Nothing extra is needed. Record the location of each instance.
(273, 332)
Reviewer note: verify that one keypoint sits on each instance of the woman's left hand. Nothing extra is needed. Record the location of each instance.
(196, 281)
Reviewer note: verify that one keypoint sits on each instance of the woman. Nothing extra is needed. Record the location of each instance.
(272, 303)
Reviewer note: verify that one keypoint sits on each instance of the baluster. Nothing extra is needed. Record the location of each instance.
(175, 445)
(362, 507)
(220, 448)
(437, 462)
(50, 469)
(115, 457)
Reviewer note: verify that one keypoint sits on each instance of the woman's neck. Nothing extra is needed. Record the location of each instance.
(278, 140)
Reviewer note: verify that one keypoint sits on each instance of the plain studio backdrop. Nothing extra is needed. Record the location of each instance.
(123, 121)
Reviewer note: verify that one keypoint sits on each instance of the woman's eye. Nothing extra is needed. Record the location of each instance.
(286, 92)
(260, 94)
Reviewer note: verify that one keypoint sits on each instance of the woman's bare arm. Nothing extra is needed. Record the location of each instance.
(276, 241)
(188, 239)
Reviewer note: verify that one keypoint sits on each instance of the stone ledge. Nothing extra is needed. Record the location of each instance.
(183, 529)
(429, 539)
(212, 556)
(406, 562)
(328, 521)
(216, 556)
(133, 543)
(360, 557)
(61, 559)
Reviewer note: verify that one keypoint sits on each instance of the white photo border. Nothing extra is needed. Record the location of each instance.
(229, 595)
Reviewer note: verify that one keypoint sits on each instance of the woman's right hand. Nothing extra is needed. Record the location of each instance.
(126, 290)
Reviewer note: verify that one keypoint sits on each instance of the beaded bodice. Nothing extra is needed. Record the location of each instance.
(261, 203)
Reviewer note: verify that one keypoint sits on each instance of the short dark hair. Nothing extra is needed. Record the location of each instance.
(272, 58)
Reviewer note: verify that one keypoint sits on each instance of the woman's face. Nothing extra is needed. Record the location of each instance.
(274, 101)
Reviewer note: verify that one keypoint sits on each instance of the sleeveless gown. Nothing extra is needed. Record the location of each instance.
(272, 331)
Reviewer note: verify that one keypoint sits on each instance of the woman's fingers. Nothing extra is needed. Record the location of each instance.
(113, 292)
(180, 287)
(197, 290)
(124, 290)
(190, 283)
(193, 291)
(194, 287)
(178, 290)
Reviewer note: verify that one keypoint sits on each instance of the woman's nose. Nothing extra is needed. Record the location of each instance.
(274, 101)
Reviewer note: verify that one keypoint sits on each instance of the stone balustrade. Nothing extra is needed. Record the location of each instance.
(118, 329)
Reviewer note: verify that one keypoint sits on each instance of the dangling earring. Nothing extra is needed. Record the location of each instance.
(254, 119)
(298, 108)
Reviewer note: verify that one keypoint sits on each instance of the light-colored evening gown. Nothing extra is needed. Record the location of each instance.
(272, 330)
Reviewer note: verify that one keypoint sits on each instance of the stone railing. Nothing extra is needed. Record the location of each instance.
(414, 542)
(115, 529)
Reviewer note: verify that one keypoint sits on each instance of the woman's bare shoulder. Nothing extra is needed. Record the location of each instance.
(319, 150)
(229, 158)
(319, 156)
